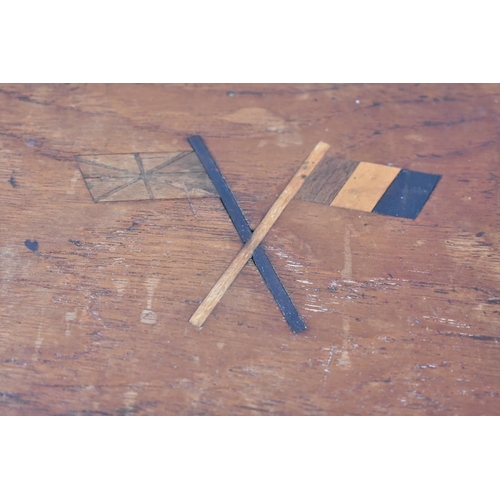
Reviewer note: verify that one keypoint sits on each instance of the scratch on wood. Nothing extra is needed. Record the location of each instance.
(189, 201)
(148, 316)
(331, 352)
(70, 317)
(129, 398)
(346, 273)
(345, 360)
(120, 284)
(74, 179)
(39, 336)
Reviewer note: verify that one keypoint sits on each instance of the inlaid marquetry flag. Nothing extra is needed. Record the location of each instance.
(368, 187)
(145, 176)
(354, 185)
(154, 176)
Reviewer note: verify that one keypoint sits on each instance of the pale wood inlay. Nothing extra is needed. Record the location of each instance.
(146, 176)
(365, 187)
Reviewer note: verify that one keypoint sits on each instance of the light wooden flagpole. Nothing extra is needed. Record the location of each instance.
(224, 282)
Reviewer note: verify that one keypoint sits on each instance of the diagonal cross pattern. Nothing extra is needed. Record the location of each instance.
(179, 175)
(230, 274)
(336, 182)
(145, 176)
(259, 256)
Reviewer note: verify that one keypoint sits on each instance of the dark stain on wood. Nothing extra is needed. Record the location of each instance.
(31, 245)
(481, 338)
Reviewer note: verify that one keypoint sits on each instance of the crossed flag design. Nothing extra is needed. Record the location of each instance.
(368, 187)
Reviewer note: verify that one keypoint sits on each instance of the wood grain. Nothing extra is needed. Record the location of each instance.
(403, 315)
(145, 176)
(365, 187)
(326, 180)
(230, 274)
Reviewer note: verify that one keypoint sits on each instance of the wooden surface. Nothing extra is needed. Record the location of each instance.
(365, 187)
(326, 180)
(403, 315)
(286, 196)
(157, 176)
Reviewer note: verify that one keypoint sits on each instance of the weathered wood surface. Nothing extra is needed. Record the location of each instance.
(95, 298)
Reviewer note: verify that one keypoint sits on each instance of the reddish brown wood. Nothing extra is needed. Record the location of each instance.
(403, 315)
